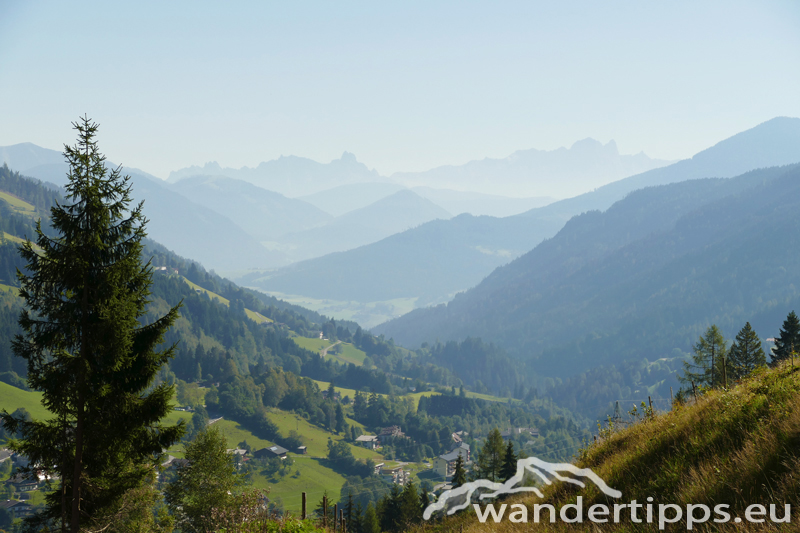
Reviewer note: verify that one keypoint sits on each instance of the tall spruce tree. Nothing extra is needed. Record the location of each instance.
(459, 474)
(390, 510)
(410, 510)
(86, 350)
(371, 523)
(490, 457)
(788, 340)
(509, 468)
(704, 370)
(745, 354)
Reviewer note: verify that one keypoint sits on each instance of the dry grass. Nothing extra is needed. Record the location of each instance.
(737, 447)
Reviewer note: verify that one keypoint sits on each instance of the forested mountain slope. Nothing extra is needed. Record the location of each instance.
(261, 213)
(390, 215)
(641, 280)
(435, 260)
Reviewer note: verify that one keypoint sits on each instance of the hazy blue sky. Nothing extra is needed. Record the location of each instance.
(403, 85)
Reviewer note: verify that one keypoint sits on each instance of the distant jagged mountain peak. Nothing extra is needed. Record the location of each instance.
(562, 172)
(291, 175)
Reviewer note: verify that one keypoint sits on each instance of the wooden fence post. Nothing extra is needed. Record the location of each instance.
(303, 508)
(324, 512)
(725, 371)
(671, 397)
(335, 516)
(694, 388)
(650, 401)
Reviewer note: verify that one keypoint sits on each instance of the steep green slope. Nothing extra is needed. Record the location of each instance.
(737, 447)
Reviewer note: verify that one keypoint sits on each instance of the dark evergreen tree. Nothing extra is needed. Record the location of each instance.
(390, 510)
(509, 468)
(319, 510)
(745, 354)
(788, 340)
(341, 423)
(356, 525)
(424, 499)
(459, 474)
(359, 406)
(410, 510)
(371, 523)
(86, 350)
(349, 509)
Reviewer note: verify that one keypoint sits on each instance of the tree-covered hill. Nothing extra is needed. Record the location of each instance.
(641, 280)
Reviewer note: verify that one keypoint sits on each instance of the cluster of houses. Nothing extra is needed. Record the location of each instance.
(20, 484)
(445, 464)
(373, 442)
(511, 433)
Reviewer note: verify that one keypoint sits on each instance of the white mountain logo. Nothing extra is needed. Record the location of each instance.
(455, 500)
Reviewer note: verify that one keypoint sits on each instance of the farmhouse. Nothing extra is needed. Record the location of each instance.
(367, 441)
(272, 451)
(389, 433)
(19, 509)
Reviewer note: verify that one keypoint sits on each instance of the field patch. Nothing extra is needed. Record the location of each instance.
(17, 204)
(252, 315)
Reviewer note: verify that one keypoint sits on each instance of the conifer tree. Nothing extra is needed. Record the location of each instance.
(490, 457)
(410, 510)
(509, 468)
(745, 354)
(390, 510)
(459, 474)
(86, 350)
(356, 525)
(349, 508)
(319, 510)
(424, 500)
(788, 340)
(704, 368)
(370, 524)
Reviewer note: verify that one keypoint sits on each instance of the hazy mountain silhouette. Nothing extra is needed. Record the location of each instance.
(188, 229)
(641, 280)
(290, 175)
(261, 213)
(435, 260)
(560, 173)
(393, 214)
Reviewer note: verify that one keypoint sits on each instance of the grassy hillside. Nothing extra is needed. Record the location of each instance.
(737, 447)
(314, 477)
(252, 315)
(347, 353)
(323, 385)
(12, 398)
(19, 205)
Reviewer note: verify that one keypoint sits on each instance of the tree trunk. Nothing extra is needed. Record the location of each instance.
(76, 474)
